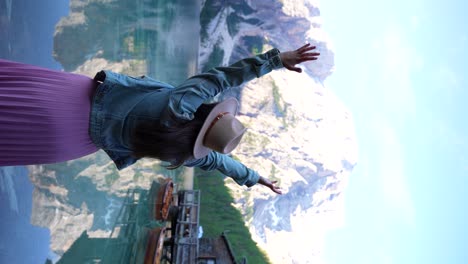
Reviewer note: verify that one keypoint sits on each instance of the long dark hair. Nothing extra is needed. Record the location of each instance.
(172, 144)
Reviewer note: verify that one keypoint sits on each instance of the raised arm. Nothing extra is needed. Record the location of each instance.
(233, 169)
(227, 166)
(186, 98)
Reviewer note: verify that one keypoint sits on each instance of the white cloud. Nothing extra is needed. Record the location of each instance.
(388, 95)
(390, 171)
(392, 61)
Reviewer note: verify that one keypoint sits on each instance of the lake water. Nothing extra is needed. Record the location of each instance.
(162, 35)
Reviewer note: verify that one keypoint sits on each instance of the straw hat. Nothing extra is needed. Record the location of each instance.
(221, 131)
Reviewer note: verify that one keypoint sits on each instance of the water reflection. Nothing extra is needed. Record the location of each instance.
(143, 37)
(158, 37)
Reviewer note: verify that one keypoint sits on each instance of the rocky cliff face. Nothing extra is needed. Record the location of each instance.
(84, 194)
(299, 133)
(305, 141)
(51, 210)
(232, 31)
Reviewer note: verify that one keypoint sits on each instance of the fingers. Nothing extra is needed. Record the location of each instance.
(291, 68)
(278, 191)
(297, 69)
(305, 48)
(304, 53)
(301, 49)
(315, 54)
(275, 189)
(309, 56)
(306, 58)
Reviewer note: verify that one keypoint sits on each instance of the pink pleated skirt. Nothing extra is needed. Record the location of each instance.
(44, 115)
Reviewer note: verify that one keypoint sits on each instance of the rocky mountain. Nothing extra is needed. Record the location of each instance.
(303, 140)
(299, 133)
(84, 194)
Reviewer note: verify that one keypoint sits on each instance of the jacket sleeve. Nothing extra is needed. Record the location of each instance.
(186, 98)
(227, 166)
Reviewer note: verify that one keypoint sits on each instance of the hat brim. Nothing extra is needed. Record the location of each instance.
(229, 105)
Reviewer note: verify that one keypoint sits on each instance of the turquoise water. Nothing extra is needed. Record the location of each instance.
(159, 37)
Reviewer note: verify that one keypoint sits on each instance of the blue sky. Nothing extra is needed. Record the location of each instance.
(401, 70)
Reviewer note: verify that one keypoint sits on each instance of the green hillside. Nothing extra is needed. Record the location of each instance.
(217, 215)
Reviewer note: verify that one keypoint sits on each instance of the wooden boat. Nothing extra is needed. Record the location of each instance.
(164, 200)
(154, 247)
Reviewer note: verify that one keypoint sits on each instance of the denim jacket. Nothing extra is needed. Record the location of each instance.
(121, 101)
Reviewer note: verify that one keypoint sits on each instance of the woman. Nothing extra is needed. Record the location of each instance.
(48, 116)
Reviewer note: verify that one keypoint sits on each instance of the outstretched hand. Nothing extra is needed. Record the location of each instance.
(302, 54)
(270, 184)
